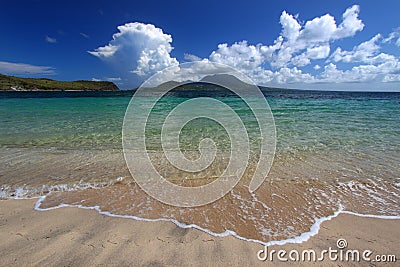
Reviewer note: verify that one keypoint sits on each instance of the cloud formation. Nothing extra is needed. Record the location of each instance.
(190, 57)
(84, 35)
(50, 40)
(109, 79)
(143, 48)
(300, 44)
(366, 52)
(296, 46)
(393, 37)
(303, 53)
(21, 69)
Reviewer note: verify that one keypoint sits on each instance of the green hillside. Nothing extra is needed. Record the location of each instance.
(12, 83)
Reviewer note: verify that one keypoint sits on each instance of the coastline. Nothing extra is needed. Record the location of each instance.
(55, 90)
(70, 236)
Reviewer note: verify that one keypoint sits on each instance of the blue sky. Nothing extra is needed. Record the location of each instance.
(345, 45)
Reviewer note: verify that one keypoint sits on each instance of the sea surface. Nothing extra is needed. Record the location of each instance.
(335, 151)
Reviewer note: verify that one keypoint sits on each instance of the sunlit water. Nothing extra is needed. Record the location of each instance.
(333, 148)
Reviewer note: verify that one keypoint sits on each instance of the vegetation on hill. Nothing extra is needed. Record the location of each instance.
(12, 83)
(211, 83)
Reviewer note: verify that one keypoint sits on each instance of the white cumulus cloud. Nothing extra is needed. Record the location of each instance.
(143, 48)
(393, 37)
(296, 46)
(301, 44)
(239, 55)
(383, 72)
(366, 52)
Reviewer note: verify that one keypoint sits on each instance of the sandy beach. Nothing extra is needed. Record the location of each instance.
(71, 236)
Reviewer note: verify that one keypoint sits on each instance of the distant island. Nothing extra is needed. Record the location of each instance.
(212, 82)
(12, 83)
(208, 83)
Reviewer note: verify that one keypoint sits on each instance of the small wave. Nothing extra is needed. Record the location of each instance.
(299, 239)
(28, 192)
(44, 191)
(303, 237)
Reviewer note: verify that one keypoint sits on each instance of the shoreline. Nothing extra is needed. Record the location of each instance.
(44, 237)
(303, 237)
(314, 229)
(276, 202)
(56, 90)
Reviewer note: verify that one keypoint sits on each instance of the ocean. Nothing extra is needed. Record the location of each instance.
(335, 151)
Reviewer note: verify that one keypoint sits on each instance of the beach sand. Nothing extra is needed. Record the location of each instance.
(77, 237)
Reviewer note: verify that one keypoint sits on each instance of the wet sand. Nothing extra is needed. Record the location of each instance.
(296, 192)
(74, 237)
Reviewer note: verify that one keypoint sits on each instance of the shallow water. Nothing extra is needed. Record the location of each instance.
(333, 148)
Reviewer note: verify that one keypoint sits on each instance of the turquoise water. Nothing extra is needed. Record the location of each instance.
(62, 122)
(333, 149)
(305, 121)
(324, 135)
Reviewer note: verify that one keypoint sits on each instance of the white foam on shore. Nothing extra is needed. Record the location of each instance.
(386, 217)
(314, 229)
(26, 192)
(30, 193)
